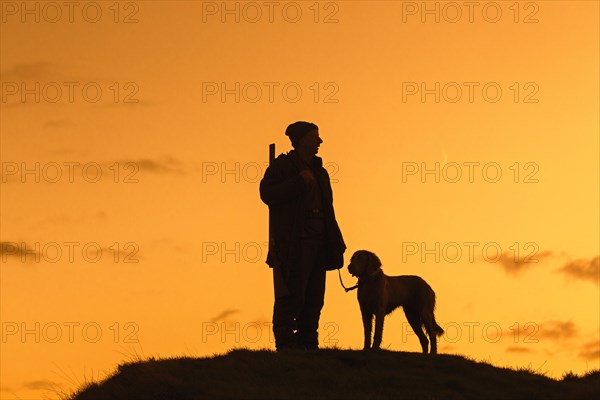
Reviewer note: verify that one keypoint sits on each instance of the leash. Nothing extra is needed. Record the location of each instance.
(355, 286)
(345, 288)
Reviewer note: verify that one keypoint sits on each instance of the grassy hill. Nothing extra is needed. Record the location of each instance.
(331, 374)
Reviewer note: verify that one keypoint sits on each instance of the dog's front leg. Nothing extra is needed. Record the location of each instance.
(367, 318)
(379, 317)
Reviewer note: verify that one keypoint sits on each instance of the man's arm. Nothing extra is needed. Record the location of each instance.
(276, 188)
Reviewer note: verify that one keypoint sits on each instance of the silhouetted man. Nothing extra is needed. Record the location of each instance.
(305, 237)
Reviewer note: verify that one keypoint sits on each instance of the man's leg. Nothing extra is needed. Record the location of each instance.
(283, 323)
(308, 317)
(288, 303)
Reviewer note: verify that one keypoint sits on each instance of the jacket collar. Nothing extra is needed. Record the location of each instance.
(316, 163)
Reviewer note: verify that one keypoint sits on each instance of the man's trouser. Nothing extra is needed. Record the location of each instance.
(300, 310)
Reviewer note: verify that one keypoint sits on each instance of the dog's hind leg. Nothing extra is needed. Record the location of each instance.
(367, 318)
(428, 317)
(433, 330)
(414, 319)
(430, 325)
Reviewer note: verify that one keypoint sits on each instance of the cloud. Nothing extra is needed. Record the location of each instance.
(532, 332)
(29, 71)
(556, 330)
(518, 349)
(590, 350)
(514, 264)
(166, 164)
(583, 269)
(447, 348)
(14, 249)
(39, 384)
(126, 252)
(124, 170)
(40, 74)
(27, 74)
(224, 314)
(58, 123)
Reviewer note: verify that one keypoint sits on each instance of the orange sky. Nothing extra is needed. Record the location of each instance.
(185, 202)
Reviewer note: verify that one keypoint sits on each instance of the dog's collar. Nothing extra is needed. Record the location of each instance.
(370, 275)
(356, 286)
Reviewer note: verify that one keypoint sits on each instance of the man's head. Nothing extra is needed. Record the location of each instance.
(304, 136)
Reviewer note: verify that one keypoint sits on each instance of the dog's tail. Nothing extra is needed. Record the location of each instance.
(438, 329)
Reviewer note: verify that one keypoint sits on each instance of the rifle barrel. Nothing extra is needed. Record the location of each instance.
(271, 152)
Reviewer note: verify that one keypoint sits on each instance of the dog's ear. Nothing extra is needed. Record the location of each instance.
(374, 263)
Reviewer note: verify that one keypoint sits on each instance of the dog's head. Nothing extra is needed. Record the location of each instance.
(363, 262)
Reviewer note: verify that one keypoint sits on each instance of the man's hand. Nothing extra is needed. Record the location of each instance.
(308, 176)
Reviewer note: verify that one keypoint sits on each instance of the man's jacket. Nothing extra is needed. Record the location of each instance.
(283, 189)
